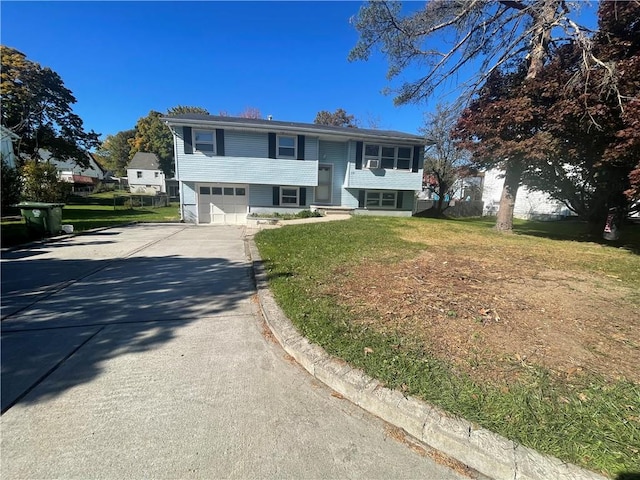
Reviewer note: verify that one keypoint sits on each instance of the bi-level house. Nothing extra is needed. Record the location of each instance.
(229, 168)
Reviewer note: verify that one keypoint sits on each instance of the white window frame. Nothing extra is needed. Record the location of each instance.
(282, 196)
(378, 157)
(381, 193)
(295, 147)
(212, 142)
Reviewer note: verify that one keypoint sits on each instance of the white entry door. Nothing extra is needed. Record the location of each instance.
(325, 182)
(222, 204)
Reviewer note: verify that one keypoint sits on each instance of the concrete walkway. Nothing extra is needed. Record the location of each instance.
(139, 352)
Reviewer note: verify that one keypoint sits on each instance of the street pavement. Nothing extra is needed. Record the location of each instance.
(138, 352)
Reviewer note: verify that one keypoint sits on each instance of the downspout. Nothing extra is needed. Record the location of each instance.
(175, 156)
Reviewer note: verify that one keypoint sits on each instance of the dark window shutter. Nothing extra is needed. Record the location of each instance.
(399, 200)
(276, 195)
(272, 145)
(220, 142)
(303, 196)
(360, 198)
(300, 147)
(359, 155)
(186, 133)
(417, 153)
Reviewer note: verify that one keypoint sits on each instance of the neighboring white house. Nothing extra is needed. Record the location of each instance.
(144, 174)
(84, 179)
(530, 205)
(6, 146)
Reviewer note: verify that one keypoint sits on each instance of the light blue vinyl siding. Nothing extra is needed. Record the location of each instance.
(335, 153)
(246, 144)
(261, 196)
(381, 179)
(203, 168)
(311, 148)
(385, 179)
(246, 161)
(189, 202)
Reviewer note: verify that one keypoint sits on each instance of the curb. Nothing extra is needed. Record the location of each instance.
(478, 448)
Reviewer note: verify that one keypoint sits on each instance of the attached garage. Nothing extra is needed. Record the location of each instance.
(222, 204)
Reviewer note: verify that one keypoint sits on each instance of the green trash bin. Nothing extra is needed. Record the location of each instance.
(42, 218)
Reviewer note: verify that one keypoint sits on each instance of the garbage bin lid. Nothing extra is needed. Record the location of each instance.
(38, 205)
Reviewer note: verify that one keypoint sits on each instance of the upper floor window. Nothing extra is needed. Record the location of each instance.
(156, 174)
(286, 147)
(388, 156)
(204, 141)
(138, 174)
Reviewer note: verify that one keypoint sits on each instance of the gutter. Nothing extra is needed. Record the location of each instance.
(412, 139)
(177, 170)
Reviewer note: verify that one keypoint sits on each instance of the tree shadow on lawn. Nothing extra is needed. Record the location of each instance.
(577, 231)
(115, 307)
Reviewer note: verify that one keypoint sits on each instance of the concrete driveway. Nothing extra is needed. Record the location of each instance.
(138, 352)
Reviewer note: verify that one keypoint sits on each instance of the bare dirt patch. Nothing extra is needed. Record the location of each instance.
(496, 318)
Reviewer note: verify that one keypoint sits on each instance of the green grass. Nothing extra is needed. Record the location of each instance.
(590, 422)
(95, 211)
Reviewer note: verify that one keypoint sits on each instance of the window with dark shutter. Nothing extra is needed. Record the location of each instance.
(276, 195)
(220, 142)
(272, 145)
(186, 134)
(358, 155)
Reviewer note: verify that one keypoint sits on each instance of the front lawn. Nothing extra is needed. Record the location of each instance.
(534, 335)
(92, 212)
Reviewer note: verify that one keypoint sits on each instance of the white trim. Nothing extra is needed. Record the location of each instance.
(295, 147)
(212, 142)
(381, 198)
(379, 157)
(297, 204)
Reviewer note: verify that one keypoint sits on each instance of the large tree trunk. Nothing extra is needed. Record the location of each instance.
(504, 220)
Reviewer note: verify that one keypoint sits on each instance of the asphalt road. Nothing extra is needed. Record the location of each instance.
(138, 352)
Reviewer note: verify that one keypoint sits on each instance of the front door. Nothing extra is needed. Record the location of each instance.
(325, 182)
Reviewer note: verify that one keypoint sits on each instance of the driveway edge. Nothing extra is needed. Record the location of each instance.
(482, 450)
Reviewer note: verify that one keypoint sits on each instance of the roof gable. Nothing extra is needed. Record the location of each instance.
(144, 161)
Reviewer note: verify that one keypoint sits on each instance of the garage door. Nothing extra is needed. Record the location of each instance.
(222, 204)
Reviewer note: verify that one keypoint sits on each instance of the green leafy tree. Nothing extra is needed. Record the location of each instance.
(339, 118)
(182, 109)
(153, 136)
(11, 185)
(483, 36)
(41, 183)
(36, 105)
(114, 152)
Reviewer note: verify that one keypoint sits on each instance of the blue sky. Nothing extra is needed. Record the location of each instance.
(288, 59)
(123, 59)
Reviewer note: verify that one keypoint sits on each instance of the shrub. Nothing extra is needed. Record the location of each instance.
(41, 183)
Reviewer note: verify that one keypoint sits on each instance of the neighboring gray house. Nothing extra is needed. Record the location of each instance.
(144, 174)
(228, 168)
